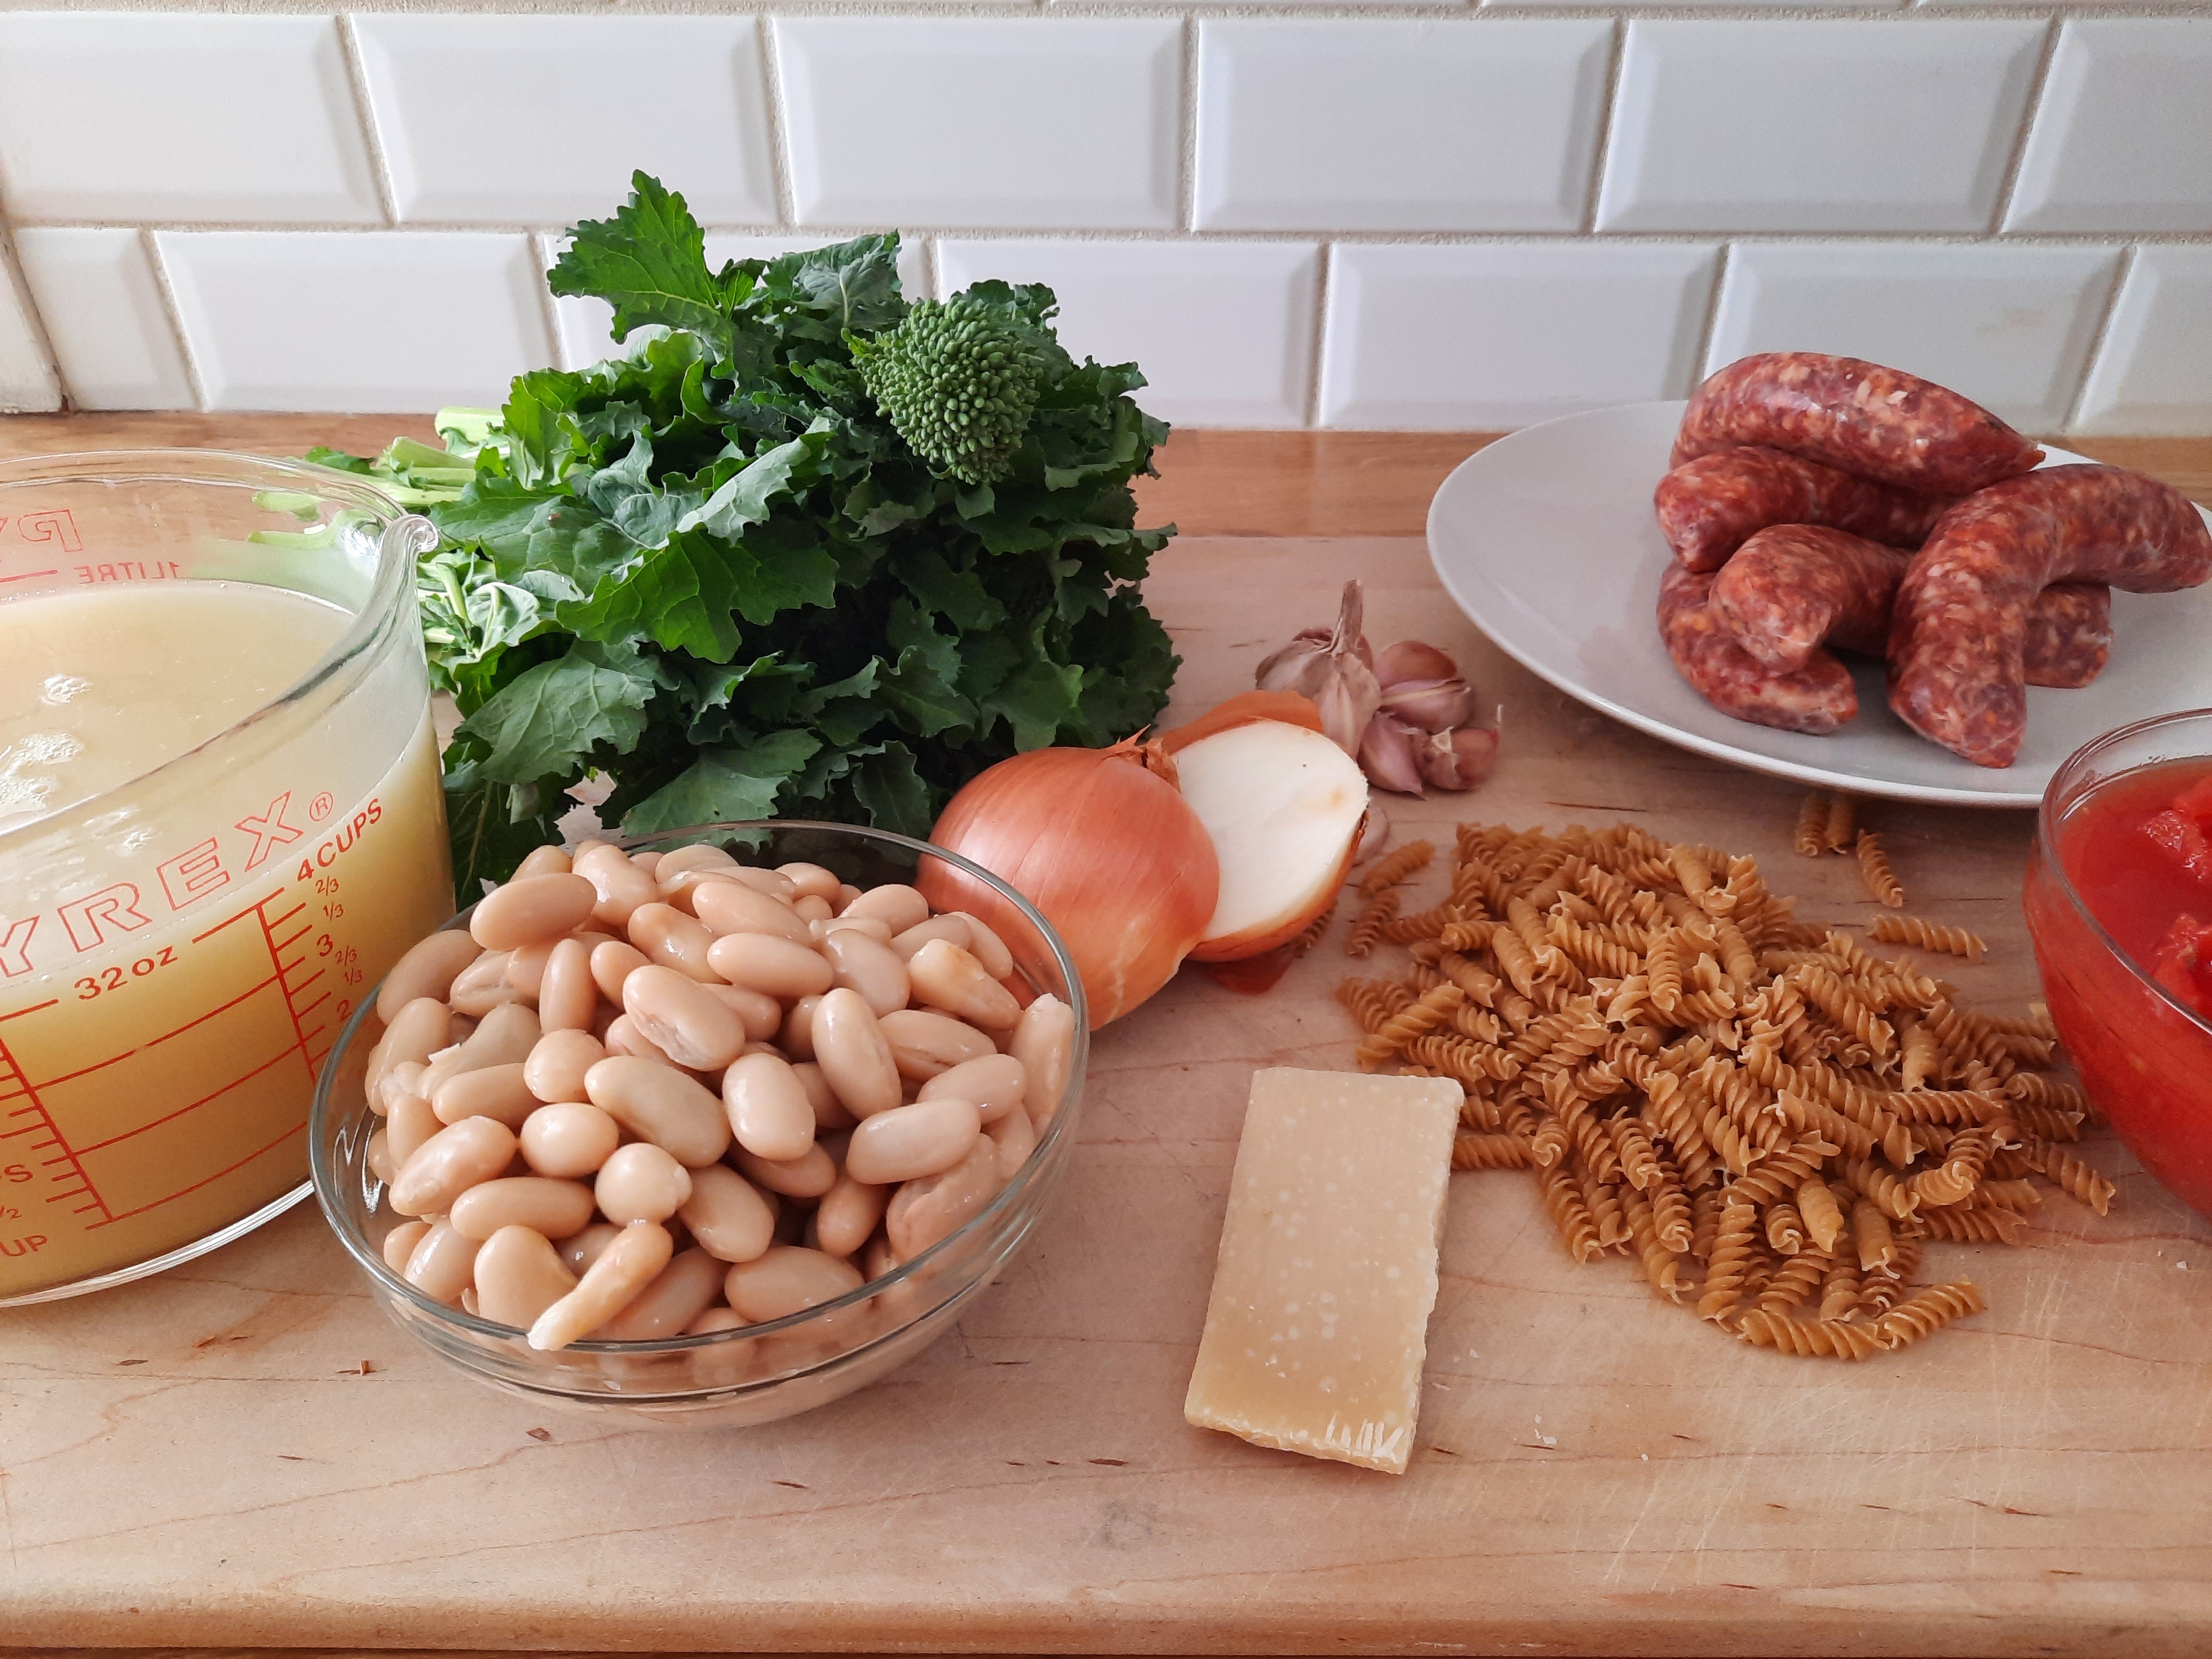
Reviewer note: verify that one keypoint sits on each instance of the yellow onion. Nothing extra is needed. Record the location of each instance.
(1102, 842)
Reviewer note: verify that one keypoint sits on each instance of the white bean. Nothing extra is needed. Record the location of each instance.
(664, 1106)
(640, 1182)
(440, 1263)
(618, 885)
(850, 1047)
(448, 1164)
(427, 970)
(493, 1091)
(809, 1176)
(729, 907)
(399, 1244)
(995, 1082)
(1044, 1042)
(909, 1142)
(519, 1275)
(902, 906)
(786, 1279)
(869, 967)
(923, 1211)
(578, 1252)
(1015, 1137)
(945, 977)
(532, 910)
(556, 1068)
(553, 1208)
(567, 995)
(771, 964)
(677, 1295)
(674, 939)
(770, 1115)
(629, 1262)
(569, 1139)
(729, 1218)
(924, 1044)
(683, 1019)
(987, 947)
(849, 1213)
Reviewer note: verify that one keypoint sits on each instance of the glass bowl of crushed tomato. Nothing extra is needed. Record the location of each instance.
(2119, 909)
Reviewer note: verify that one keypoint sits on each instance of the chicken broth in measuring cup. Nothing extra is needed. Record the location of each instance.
(220, 821)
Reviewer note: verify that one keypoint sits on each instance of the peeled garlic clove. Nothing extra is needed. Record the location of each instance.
(1410, 660)
(1432, 705)
(1458, 760)
(1388, 754)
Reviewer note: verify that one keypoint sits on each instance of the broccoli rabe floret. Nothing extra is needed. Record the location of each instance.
(958, 381)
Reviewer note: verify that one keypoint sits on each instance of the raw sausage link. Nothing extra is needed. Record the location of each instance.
(1817, 699)
(2069, 635)
(1880, 423)
(1955, 673)
(1710, 506)
(1794, 587)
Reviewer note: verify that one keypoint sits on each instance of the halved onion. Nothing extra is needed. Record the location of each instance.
(1283, 805)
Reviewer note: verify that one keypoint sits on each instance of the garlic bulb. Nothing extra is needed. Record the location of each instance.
(1332, 670)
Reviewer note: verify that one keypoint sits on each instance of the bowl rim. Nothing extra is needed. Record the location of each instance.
(2049, 815)
(324, 1175)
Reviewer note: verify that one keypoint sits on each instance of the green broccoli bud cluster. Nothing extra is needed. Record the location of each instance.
(959, 381)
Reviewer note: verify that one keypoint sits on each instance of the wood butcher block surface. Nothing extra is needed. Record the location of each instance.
(243, 1453)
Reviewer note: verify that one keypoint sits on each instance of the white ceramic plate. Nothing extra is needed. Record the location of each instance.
(1547, 540)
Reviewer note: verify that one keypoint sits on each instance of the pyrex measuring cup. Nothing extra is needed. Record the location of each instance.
(179, 952)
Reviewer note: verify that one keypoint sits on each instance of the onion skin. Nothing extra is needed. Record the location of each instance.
(1291, 708)
(1109, 851)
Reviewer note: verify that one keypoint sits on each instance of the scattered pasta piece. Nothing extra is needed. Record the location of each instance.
(1843, 819)
(1393, 867)
(1812, 825)
(1927, 936)
(1769, 1121)
(1881, 882)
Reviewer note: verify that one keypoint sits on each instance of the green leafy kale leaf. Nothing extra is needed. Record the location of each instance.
(711, 576)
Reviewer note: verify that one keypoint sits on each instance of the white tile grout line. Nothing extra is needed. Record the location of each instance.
(152, 243)
(2031, 113)
(1746, 10)
(779, 124)
(2099, 337)
(1619, 48)
(1702, 364)
(42, 339)
(1186, 132)
(549, 307)
(364, 114)
(1324, 280)
(1530, 238)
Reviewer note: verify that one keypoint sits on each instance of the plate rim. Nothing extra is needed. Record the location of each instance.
(1653, 726)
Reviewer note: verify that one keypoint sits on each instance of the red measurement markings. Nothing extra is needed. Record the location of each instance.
(27, 574)
(282, 934)
(23, 1113)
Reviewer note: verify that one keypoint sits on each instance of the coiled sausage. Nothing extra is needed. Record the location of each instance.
(2070, 635)
(1815, 699)
(1880, 423)
(1793, 588)
(1957, 634)
(1710, 506)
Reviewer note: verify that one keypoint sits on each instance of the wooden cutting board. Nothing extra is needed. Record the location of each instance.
(243, 1453)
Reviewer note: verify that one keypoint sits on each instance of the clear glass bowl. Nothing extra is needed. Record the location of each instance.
(761, 1372)
(2145, 1057)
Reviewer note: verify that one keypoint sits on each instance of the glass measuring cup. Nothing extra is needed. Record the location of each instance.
(179, 952)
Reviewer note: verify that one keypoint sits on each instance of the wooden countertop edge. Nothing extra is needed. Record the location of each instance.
(1210, 482)
(1782, 1628)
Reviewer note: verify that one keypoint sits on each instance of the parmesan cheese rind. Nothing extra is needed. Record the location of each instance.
(1317, 1325)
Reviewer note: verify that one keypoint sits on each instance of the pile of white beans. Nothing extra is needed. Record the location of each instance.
(652, 1095)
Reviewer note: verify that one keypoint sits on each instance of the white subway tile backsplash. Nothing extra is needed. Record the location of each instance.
(124, 116)
(100, 301)
(2123, 140)
(27, 379)
(400, 320)
(586, 326)
(2154, 373)
(1476, 337)
(1838, 126)
(1388, 125)
(1000, 123)
(542, 120)
(1223, 330)
(2009, 327)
